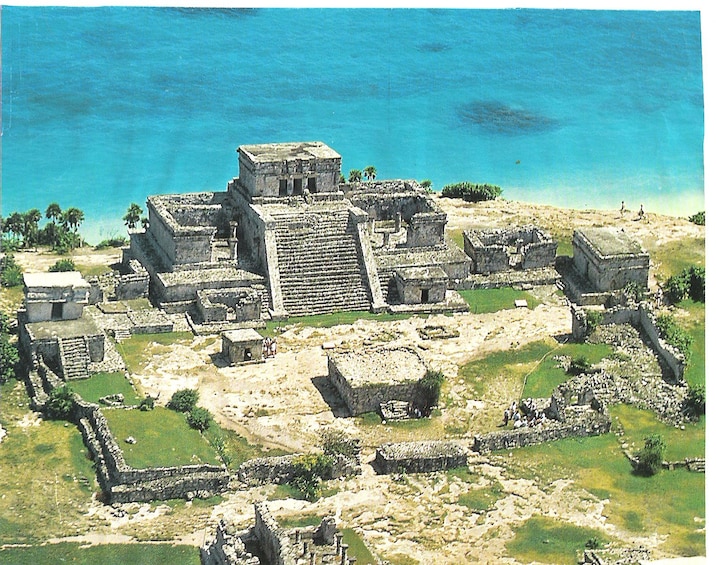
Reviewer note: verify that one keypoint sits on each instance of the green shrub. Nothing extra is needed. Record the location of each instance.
(634, 291)
(336, 442)
(429, 391)
(10, 272)
(699, 218)
(62, 265)
(695, 401)
(650, 457)
(118, 241)
(146, 404)
(593, 319)
(579, 365)
(674, 335)
(184, 400)
(471, 192)
(59, 404)
(426, 184)
(593, 543)
(199, 418)
(690, 282)
(308, 470)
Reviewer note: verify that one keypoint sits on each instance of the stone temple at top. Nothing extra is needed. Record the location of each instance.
(287, 238)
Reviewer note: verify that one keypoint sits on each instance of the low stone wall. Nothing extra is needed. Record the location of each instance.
(122, 483)
(134, 284)
(590, 423)
(274, 541)
(264, 470)
(419, 457)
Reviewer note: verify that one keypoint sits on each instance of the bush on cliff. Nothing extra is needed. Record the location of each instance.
(471, 192)
(184, 400)
(59, 404)
(699, 218)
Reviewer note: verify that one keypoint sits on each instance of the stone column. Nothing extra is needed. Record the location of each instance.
(313, 558)
(398, 219)
(339, 539)
(344, 553)
(233, 241)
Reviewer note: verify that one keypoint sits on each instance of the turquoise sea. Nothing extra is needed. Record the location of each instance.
(105, 106)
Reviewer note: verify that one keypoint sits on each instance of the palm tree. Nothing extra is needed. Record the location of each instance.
(30, 220)
(73, 217)
(53, 212)
(14, 223)
(355, 175)
(133, 215)
(370, 172)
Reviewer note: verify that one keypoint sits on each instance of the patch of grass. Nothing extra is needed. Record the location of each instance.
(285, 491)
(138, 304)
(369, 419)
(139, 349)
(548, 374)
(638, 423)
(671, 503)
(238, 448)
(694, 322)
(11, 298)
(457, 238)
(674, 256)
(357, 548)
(564, 245)
(47, 479)
(545, 540)
(481, 499)
(489, 300)
(107, 554)
(164, 439)
(103, 384)
(92, 270)
(401, 559)
(329, 320)
(301, 521)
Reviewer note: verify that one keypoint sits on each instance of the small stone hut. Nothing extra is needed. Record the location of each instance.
(366, 379)
(609, 258)
(55, 296)
(498, 250)
(242, 346)
(421, 285)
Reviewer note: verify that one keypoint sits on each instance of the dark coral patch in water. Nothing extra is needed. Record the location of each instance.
(433, 47)
(495, 117)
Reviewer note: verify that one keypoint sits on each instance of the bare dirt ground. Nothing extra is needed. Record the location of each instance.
(283, 403)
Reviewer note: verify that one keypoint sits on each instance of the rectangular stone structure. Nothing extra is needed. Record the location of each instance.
(419, 457)
(366, 379)
(609, 258)
(286, 169)
(421, 285)
(55, 296)
(242, 346)
(499, 250)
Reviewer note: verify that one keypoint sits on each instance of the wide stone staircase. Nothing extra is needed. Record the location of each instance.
(74, 357)
(319, 263)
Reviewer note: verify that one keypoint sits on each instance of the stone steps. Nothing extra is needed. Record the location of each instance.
(74, 357)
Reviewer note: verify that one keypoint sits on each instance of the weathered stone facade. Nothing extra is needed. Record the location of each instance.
(421, 285)
(419, 457)
(366, 379)
(55, 296)
(499, 250)
(242, 346)
(609, 258)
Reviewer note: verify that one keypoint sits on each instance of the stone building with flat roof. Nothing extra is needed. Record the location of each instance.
(609, 258)
(368, 378)
(55, 296)
(242, 346)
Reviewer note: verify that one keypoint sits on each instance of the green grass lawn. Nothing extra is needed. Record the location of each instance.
(92, 270)
(138, 350)
(672, 257)
(695, 324)
(357, 548)
(107, 554)
(489, 300)
(481, 499)
(46, 477)
(237, 447)
(548, 374)
(671, 503)
(329, 320)
(103, 384)
(164, 439)
(544, 540)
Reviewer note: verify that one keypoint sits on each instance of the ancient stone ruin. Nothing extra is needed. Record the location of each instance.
(520, 248)
(287, 239)
(604, 260)
(419, 457)
(368, 378)
(271, 543)
(242, 346)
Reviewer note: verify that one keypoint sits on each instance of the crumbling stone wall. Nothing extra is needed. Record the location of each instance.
(214, 304)
(641, 317)
(134, 283)
(227, 548)
(588, 423)
(498, 250)
(419, 457)
(273, 539)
